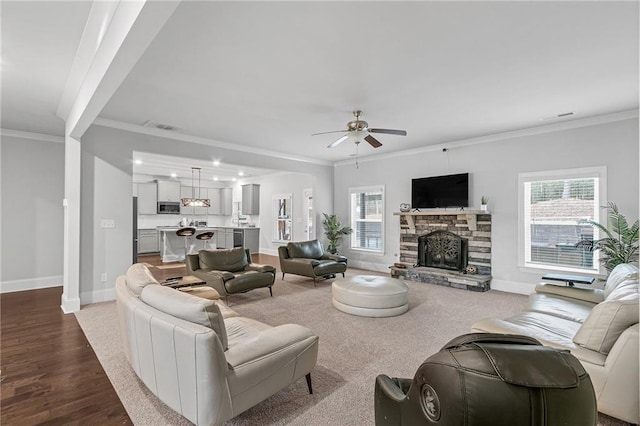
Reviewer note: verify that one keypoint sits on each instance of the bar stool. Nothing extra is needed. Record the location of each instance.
(205, 236)
(186, 233)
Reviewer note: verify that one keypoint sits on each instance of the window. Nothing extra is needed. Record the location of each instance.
(367, 218)
(553, 207)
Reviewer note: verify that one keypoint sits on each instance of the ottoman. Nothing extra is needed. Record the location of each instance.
(370, 296)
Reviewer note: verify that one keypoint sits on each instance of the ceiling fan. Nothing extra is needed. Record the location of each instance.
(359, 129)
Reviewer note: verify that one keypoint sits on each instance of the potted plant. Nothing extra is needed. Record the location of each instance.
(334, 231)
(620, 243)
(484, 200)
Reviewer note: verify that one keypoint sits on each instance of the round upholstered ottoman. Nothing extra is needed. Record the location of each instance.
(370, 296)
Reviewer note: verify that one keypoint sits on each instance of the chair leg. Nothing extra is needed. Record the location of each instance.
(314, 281)
(271, 291)
(308, 377)
(283, 276)
(343, 275)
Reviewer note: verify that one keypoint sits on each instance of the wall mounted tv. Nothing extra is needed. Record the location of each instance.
(440, 191)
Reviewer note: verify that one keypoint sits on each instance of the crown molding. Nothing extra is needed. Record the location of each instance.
(30, 135)
(136, 128)
(548, 128)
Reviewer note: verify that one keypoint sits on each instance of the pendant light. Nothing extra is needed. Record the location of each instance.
(193, 201)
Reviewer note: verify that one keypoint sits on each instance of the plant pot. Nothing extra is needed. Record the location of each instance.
(483, 207)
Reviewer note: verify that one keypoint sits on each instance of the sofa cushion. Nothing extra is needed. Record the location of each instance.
(187, 307)
(138, 277)
(563, 307)
(606, 322)
(232, 260)
(624, 289)
(619, 274)
(306, 249)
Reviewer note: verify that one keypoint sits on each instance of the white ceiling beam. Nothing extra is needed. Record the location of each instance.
(132, 27)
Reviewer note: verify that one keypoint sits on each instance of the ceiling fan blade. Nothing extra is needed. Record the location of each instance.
(333, 131)
(389, 131)
(373, 141)
(342, 139)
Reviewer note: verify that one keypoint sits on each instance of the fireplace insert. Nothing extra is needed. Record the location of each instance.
(444, 250)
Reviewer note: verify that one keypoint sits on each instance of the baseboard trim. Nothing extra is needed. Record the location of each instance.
(512, 287)
(70, 306)
(369, 266)
(97, 296)
(30, 284)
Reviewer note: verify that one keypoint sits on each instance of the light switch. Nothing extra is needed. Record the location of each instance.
(108, 223)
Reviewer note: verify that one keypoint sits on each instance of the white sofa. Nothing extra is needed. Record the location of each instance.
(199, 357)
(599, 327)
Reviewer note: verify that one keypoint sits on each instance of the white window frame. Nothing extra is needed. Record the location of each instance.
(352, 219)
(599, 172)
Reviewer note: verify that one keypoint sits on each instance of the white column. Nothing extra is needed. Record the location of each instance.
(71, 269)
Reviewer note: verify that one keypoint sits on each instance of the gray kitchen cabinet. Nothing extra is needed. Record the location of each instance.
(251, 239)
(148, 241)
(214, 198)
(147, 198)
(168, 191)
(251, 199)
(226, 204)
(224, 238)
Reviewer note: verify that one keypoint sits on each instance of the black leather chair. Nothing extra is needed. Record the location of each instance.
(308, 258)
(482, 379)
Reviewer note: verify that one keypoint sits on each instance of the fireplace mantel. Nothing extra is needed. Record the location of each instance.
(470, 215)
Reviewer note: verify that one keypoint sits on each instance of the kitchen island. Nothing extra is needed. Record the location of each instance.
(172, 246)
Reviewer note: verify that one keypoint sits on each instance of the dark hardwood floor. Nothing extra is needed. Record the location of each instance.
(49, 374)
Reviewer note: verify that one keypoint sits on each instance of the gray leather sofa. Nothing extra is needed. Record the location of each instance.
(599, 327)
(207, 364)
(307, 258)
(230, 271)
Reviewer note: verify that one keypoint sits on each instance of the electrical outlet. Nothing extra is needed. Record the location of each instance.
(108, 223)
(103, 277)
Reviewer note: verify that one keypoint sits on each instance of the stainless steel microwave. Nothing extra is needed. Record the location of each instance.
(168, 207)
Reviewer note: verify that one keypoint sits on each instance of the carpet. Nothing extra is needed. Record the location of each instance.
(352, 351)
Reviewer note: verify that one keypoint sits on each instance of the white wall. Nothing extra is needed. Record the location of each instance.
(32, 181)
(494, 169)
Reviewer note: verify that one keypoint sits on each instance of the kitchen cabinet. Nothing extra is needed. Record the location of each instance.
(224, 238)
(147, 198)
(168, 191)
(214, 197)
(251, 199)
(148, 241)
(251, 239)
(226, 204)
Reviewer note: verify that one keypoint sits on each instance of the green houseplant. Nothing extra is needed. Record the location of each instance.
(620, 241)
(334, 231)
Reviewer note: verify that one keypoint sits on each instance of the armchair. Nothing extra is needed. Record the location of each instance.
(307, 258)
(230, 271)
(479, 379)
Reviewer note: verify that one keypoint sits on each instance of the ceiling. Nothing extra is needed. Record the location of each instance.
(266, 75)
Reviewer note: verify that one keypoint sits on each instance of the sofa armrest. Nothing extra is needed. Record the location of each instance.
(585, 294)
(336, 257)
(269, 343)
(260, 268)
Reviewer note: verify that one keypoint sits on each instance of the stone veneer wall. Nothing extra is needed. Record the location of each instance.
(473, 225)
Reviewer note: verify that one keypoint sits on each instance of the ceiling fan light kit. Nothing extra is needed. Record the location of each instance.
(359, 130)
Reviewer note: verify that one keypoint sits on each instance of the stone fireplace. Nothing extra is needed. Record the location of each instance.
(436, 246)
(442, 249)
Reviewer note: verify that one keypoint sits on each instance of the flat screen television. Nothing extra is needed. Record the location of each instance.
(440, 191)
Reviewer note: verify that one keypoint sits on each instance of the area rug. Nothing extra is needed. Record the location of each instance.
(352, 351)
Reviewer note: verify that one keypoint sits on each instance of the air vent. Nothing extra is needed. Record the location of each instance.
(557, 116)
(161, 126)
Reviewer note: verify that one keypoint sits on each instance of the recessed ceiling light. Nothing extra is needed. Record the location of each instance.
(240, 173)
(216, 163)
(234, 179)
(173, 175)
(215, 178)
(138, 162)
